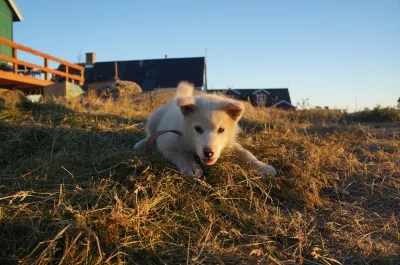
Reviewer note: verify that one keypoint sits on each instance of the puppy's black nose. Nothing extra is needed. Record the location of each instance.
(208, 153)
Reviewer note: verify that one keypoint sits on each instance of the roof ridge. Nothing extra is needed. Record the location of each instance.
(158, 59)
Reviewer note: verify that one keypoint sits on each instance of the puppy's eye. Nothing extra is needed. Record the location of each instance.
(221, 130)
(198, 129)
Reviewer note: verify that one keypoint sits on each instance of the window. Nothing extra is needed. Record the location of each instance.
(99, 76)
(151, 73)
(261, 99)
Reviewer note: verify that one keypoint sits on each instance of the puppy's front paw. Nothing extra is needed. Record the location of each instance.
(193, 170)
(266, 169)
(140, 144)
(137, 146)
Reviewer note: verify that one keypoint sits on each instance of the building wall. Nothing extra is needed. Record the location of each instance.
(6, 30)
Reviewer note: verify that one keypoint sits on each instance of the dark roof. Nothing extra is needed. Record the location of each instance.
(150, 74)
(16, 14)
(276, 94)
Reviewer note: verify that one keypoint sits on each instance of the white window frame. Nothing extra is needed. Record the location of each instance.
(261, 99)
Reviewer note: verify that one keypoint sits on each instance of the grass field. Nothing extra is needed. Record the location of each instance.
(73, 191)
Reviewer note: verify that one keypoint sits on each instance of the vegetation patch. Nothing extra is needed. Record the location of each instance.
(73, 191)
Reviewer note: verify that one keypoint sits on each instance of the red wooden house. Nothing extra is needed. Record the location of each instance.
(266, 97)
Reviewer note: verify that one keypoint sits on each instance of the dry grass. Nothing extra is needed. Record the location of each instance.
(74, 192)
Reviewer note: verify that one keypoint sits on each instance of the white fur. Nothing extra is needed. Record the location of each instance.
(208, 123)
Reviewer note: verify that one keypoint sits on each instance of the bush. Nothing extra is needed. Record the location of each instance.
(377, 114)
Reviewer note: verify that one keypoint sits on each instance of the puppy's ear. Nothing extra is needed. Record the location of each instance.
(187, 104)
(234, 109)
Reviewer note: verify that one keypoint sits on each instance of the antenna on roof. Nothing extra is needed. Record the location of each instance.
(205, 70)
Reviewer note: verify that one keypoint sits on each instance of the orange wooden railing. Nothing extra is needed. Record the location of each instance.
(69, 67)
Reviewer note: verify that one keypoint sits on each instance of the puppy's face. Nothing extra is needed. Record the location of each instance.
(210, 123)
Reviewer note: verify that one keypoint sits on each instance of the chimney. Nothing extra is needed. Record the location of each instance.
(166, 56)
(90, 58)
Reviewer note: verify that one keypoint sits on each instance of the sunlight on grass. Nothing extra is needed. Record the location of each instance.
(73, 191)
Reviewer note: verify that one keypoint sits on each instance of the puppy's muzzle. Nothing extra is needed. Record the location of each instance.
(208, 153)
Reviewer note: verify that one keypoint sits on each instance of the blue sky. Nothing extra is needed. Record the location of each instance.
(336, 53)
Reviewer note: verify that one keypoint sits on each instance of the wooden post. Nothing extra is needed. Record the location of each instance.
(116, 71)
(67, 72)
(14, 51)
(46, 74)
(82, 77)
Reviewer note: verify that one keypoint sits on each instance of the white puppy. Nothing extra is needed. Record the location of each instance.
(208, 123)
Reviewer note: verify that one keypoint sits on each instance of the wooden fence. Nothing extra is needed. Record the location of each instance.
(73, 72)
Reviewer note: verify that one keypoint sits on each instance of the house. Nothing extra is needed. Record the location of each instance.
(149, 74)
(9, 13)
(267, 97)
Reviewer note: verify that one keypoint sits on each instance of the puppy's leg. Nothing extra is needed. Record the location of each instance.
(247, 157)
(140, 144)
(185, 163)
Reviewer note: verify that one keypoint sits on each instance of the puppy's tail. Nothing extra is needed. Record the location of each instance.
(185, 89)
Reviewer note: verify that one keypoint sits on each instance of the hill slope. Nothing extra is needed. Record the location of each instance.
(73, 191)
